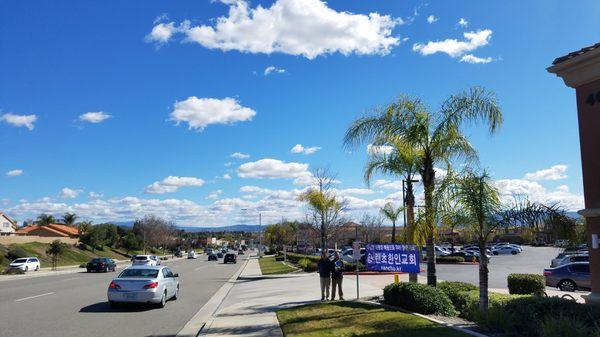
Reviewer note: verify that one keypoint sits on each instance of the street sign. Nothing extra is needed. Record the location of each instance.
(393, 257)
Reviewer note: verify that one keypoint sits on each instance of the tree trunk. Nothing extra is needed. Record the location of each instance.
(410, 221)
(428, 176)
(483, 276)
(393, 231)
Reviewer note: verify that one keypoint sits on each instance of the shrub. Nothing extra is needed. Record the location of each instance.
(295, 257)
(279, 258)
(352, 266)
(9, 271)
(564, 327)
(307, 265)
(467, 303)
(452, 289)
(530, 315)
(16, 253)
(83, 265)
(447, 259)
(526, 284)
(418, 298)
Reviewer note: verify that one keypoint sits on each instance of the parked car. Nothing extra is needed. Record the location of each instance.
(569, 277)
(469, 256)
(439, 251)
(561, 243)
(212, 257)
(101, 264)
(220, 255)
(241, 252)
(348, 254)
(145, 260)
(192, 255)
(179, 253)
(570, 259)
(25, 264)
(505, 250)
(230, 257)
(144, 284)
(208, 250)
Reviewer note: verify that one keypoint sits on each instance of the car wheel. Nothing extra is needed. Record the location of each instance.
(37, 268)
(26, 268)
(89, 271)
(106, 269)
(163, 300)
(176, 296)
(513, 252)
(495, 253)
(113, 304)
(567, 285)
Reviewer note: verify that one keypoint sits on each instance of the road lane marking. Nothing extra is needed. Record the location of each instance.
(72, 278)
(31, 297)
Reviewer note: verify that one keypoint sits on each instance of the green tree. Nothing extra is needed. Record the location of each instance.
(95, 237)
(402, 162)
(392, 213)
(69, 219)
(84, 227)
(437, 137)
(130, 242)
(479, 201)
(55, 251)
(45, 220)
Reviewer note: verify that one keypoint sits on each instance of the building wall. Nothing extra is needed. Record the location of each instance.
(6, 226)
(8, 240)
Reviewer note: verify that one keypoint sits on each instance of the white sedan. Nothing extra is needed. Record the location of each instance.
(144, 284)
(505, 250)
(25, 264)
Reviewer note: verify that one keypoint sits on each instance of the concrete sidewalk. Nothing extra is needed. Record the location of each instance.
(249, 308)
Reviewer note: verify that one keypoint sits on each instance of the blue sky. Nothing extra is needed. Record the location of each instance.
(101, 103)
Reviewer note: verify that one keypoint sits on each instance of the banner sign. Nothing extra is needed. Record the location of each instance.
(393, 257)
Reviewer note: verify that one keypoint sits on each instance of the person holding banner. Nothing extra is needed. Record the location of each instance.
(325, 266)
(337, 276)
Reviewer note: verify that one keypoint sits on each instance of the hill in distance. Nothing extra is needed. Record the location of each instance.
(230, 228)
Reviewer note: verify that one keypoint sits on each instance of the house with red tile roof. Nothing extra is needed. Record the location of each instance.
(51, 230)
(8, 226)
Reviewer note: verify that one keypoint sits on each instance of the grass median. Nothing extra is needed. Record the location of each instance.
(268, 266)
(340, 319)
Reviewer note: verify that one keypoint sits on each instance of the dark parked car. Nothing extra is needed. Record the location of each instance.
(101, 264)
(240, 252)
(230, 257)
(178, 253)
(569, 277)
(220, 255)
(469, 256)
(212, 257)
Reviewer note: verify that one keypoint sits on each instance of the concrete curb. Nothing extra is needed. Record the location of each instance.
(203, 319)
(446, 324)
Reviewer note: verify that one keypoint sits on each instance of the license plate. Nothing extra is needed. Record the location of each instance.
(130, 296)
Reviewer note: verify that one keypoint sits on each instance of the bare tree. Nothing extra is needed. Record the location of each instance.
(154, 231)
(325, 207)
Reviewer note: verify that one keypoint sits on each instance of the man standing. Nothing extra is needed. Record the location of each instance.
(324, 265)
(337, 276)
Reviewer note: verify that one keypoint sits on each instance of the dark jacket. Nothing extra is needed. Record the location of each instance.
(337, 272)
(325, 267)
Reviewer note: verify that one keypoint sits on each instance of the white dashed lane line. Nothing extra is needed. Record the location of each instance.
(32, 297)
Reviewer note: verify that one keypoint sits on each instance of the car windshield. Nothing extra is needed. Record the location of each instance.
(132, 273)
(20, 261)
(141, 258)
(97, 260)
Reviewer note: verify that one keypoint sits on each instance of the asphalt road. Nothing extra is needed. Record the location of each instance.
(75, 304)
(532, 260)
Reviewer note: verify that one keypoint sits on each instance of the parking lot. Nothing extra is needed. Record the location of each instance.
(532, 260)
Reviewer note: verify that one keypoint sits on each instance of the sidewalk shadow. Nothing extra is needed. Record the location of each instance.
(105, 307)
(265, 309)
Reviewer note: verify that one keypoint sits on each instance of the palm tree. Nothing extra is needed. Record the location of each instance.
(479, 202)
(84, 227)
(45, 219)
(392, 213)
(436, 136)
(403, 161)
(69, 218)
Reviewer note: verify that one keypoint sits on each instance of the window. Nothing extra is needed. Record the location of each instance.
(165, 273)
(580, 259)
(580, 268)
(146, 273)
(6, 225)
(169, 272)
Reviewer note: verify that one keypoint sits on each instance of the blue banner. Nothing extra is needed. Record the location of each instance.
(393, 257)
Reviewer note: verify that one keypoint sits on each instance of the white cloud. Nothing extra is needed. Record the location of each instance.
(387, 184)
(94, 117)
(354, 191)
(226, 176)
(534, 191)
(379, 150)
(297, 27)
(470, 58)
(298, 148)
(14, 173)
(172, 183)
(463, 23)
(273, 70)
(431, 19)
(19, 120)
(95, 195)
(239, 155)
(227, 164)
(69, 193)
(201, 112)
(556, 172)
(214, 195)
(453, 47)
(272, 169)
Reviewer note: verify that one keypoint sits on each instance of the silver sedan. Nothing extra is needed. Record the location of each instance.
(144, 284)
